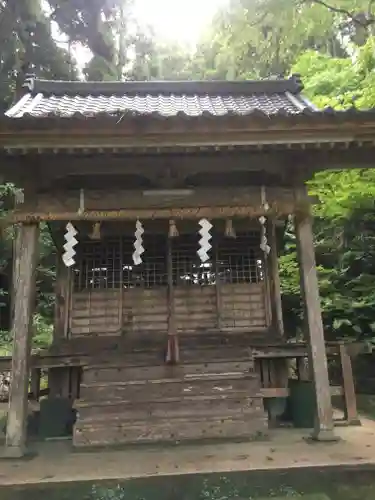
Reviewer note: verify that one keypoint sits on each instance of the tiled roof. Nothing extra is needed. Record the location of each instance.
(267, 98)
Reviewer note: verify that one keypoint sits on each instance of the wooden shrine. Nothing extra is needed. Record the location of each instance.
(168, 197)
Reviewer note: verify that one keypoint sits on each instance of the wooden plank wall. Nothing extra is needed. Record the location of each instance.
(145, 310)
(195, 308)
(95, 312)
(241, 307)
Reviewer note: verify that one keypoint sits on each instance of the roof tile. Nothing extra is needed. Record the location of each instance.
(164, 99)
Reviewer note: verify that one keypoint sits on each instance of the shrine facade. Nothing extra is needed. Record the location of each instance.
(166, 202)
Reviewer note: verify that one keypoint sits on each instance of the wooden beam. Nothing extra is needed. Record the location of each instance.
(24, 296)
(234, 131)
(274, 277)
(125, 204)
(323, 430)
(351, 412)
(284, 392)
(144, 214)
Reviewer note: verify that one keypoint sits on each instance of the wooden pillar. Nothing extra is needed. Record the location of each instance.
(323, 429)
(218, 289)
(59, 378)
(62, 296)
(173, 351)
(274, 277)
(23, 308)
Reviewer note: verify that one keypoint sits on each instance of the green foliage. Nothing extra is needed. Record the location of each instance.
(103, 493)
(27, 46)
(43, 330)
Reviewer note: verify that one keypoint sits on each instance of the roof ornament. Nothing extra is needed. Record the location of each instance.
(173, 231)
(96, 235)
(29, 82)
(230, 232)
(262, 219)
(138, 243)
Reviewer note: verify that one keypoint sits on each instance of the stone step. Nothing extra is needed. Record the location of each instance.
(115, 432)
(195, 385)
(208, 406)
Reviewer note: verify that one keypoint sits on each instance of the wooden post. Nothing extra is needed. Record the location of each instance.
(218, 287)
(173, 351)
(35, 383)
(351, 413)
(323, 429)
(274, 277)
(24, 296)
(58, 378)
(267, 291)
(303, 369)
(61, 300)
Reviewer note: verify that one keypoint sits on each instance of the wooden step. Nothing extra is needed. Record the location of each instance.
(118, 372)
(202, 407)
(166, 388)
(163, 430)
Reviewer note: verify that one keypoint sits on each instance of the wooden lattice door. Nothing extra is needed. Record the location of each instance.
(113, 296)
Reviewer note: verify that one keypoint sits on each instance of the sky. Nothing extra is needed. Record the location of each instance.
(172, 20)
(179, 20)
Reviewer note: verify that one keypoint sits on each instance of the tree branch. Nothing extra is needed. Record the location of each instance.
(369, 9)
(362, 21)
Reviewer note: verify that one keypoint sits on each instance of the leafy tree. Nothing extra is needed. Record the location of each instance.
(345, 216)
(27, 46)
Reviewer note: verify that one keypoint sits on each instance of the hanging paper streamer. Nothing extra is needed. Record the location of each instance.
(204, 242)
(138, 243)
(263, 233)
(71, 242)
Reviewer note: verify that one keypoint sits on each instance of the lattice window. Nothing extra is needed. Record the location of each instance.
(98, 264)
(153, 271)
(239, 260)
(108, 263)
(186, 264)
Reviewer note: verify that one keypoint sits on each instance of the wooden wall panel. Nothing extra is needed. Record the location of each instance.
(243, 306)
(195, 308)
(95, 312)
(145, 310)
